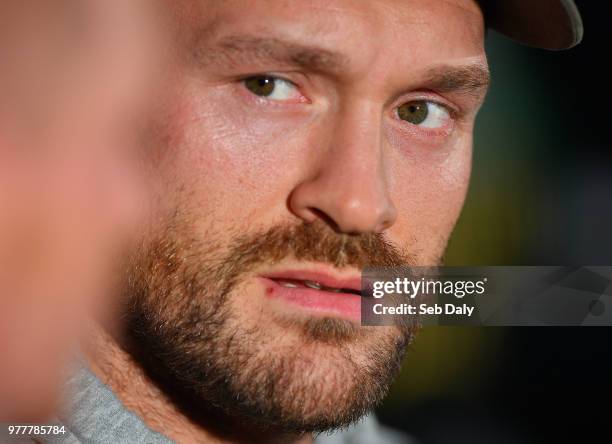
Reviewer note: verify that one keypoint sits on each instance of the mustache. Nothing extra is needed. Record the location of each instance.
(319, 243)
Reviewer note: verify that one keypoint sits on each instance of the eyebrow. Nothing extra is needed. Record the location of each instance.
(240, 48)
(235, 50)
(471, 79)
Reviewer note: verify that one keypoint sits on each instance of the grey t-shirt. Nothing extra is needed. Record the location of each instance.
(94, 415)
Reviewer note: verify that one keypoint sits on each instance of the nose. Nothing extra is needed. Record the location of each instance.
(348, 187)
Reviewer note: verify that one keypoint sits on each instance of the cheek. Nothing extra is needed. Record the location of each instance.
(233, 157)
(428, 191)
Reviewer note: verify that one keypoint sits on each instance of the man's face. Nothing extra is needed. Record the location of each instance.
(306, 139)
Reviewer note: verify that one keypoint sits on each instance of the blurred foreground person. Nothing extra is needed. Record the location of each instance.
(75, 78)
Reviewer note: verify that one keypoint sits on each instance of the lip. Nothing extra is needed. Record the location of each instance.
(328, 279)
(317, 302)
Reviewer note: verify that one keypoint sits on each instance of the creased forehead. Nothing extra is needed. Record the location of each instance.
(413, 19)
(336, 35)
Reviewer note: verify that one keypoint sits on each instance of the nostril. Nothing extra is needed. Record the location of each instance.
(328, 220)
(348, 207)
(354, 222)
(383, 226)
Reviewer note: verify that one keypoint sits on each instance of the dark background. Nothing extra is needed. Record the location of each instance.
(541, 194)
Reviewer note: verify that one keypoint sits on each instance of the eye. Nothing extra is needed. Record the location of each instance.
(424, 113)
(273, 88)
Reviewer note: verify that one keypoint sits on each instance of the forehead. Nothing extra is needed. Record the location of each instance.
(366, 32)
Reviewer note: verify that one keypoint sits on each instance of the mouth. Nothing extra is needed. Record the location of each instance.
(318, 293)
(315, 285)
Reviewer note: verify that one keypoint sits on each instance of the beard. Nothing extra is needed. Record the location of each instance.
(186, 329)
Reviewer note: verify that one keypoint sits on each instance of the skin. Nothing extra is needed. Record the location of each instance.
(71, 192)
(333, 152)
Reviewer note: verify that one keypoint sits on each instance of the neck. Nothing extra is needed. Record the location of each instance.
(142, 396)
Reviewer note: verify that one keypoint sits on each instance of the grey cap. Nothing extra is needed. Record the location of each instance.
(547, 24)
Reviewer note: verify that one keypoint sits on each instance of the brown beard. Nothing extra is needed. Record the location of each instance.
(184, 334)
